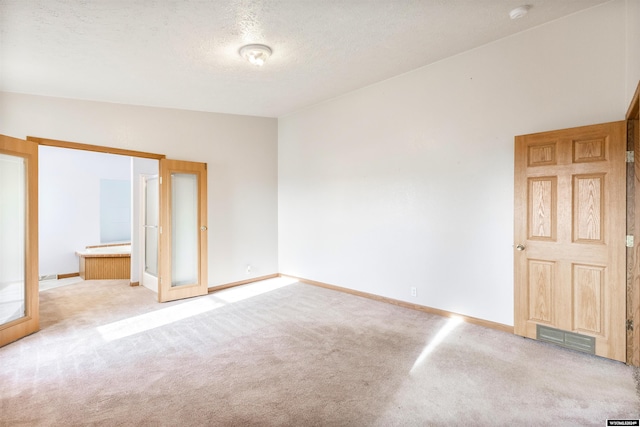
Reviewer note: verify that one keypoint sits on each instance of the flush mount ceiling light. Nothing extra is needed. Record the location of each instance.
(257, 54)
(519, 12)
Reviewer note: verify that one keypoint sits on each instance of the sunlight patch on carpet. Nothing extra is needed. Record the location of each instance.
(451, 324)
(155, 319)
(240, 293)
(147, 321)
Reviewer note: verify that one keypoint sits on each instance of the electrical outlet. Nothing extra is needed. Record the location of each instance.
(249, 269)
(414, 291)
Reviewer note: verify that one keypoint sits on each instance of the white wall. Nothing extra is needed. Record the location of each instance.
(69, 203)
(633, 48)
(241, 153)
(409, 182)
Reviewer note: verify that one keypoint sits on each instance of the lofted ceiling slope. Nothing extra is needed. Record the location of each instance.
(184, 53)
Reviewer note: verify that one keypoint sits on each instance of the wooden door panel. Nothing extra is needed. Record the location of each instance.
(542, 211)
(570, 219)
(589, 150)
(541, 284)
(541, 154)
(588, 298)
(588, 208)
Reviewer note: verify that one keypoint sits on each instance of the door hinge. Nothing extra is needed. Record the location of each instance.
(629, 241)
(160, 229)
(630, 156)
(160, 180)
(629, 325)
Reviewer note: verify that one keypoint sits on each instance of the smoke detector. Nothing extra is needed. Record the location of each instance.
(519, 12)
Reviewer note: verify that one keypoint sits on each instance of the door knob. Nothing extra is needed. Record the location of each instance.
(520, 247)
(203, 228)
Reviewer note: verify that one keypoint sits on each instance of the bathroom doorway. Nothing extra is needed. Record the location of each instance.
(183, 231)
(90, 198)
(182, 215)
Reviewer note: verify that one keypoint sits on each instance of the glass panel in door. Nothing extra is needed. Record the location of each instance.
(18, 239)
(151, 226)
(13, 174)
(184, 229)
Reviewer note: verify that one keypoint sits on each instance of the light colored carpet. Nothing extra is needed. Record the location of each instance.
(45, 285)
(293, 355)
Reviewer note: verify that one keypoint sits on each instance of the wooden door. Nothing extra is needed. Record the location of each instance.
(19, 314)
(183, 230)
(569, 250)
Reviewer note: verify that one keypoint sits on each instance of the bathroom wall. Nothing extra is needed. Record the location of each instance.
(115, 211)
(69, 203)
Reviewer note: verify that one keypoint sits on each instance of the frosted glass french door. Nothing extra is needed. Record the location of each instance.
(18, 239)
(183, 230)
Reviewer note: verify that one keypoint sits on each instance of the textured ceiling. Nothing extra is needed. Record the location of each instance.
(184, 53)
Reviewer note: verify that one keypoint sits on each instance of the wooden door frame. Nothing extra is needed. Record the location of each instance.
(94, 148)
(633, 229)
(160, 157)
